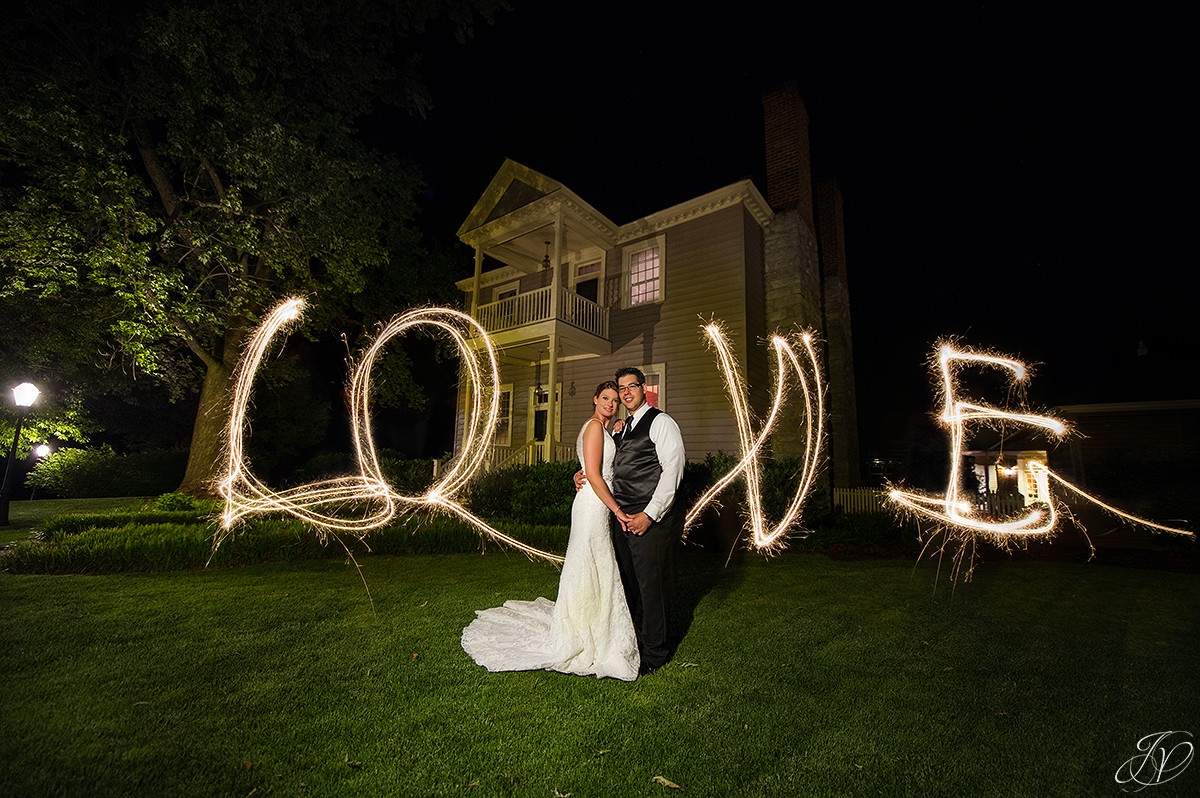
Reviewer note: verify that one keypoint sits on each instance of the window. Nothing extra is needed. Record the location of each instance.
(503, 436)
(587, 280)
(643, 270)
(655, 384)
(505, 291)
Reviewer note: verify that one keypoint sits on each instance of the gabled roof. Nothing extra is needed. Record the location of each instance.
(513, 187)
(519, 200)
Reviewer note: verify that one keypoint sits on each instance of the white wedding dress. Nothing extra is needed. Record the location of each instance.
(588, 630)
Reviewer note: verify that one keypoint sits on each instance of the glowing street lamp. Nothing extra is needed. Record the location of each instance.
(24, 395)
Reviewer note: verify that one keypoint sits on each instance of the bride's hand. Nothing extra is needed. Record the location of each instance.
(623, 518)
(618, 425)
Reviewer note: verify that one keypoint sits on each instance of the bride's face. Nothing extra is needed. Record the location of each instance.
(606, 403)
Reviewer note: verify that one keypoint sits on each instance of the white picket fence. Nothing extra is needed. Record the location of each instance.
(868, 501)
(861, 501)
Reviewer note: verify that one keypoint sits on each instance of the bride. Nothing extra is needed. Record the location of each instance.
(588, 630)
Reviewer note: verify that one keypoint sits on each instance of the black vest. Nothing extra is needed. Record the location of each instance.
(636, 468)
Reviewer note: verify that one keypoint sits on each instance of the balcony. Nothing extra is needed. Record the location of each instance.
(537, 308)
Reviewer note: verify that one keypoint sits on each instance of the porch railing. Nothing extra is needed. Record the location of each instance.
(528, 454)
(536, 306)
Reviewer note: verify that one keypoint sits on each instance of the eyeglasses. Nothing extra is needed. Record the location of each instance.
(629, 387)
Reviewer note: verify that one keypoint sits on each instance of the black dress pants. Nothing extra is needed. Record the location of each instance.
(647, 565)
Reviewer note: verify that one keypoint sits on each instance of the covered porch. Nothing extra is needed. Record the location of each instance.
(539, 290)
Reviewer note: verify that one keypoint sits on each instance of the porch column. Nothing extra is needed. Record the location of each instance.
(552, 406)
(474, 308)
(555, 285)
(478, 277)
(556, 277)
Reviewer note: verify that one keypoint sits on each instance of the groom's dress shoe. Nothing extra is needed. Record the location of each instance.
(646, 670)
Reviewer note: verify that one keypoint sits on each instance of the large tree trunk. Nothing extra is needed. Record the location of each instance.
(205, 460)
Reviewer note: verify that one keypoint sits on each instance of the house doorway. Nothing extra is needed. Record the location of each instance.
(588, 289)
(587, 280)
(539, 412)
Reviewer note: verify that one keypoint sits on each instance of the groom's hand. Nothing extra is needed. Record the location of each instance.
(623, 520)
(639, 523)
(580, 480)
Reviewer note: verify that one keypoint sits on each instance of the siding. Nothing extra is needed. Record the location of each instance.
(704, 277)
(758, 356)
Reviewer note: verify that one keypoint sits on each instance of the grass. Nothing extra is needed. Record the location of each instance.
(25, 516)
(798, 675)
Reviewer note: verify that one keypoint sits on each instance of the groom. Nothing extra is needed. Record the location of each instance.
(646, 473)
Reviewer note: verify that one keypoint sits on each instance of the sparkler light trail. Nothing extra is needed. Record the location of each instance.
(956, 515)
(369, 491)
(751, 445)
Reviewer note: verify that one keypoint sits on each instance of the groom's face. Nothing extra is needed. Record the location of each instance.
(633, 393)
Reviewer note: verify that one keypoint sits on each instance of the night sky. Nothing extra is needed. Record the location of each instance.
(1017, 177)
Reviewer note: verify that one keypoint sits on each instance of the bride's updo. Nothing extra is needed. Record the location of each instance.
(602, 386)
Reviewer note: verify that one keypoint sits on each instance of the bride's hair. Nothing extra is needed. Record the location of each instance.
(606, 384)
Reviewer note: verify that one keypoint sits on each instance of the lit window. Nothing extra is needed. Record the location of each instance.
(643, 268)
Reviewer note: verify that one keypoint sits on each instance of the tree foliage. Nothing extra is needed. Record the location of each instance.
(187, 163)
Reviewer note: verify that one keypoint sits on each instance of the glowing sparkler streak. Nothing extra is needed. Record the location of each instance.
(244, 494)
(751, 444)
(955, 514)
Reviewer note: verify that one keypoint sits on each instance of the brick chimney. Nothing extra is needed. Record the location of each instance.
(789, 167)
(831, 232)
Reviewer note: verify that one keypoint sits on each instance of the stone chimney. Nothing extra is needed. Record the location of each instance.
(789, 169)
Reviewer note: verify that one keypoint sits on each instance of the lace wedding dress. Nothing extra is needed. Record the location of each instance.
(588, 629)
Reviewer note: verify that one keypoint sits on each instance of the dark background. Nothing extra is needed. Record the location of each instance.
(1017, 176)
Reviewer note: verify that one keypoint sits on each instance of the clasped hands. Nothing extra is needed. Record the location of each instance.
(637, 523)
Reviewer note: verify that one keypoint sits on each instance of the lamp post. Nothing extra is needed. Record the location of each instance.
(24, 395)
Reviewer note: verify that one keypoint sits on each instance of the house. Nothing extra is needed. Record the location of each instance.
(1137, 434)
(569, 295)
(1134, 433)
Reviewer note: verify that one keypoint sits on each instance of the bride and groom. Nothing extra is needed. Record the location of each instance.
(620, 554)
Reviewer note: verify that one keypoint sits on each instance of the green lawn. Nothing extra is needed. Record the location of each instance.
(799, 675)
(24, 516)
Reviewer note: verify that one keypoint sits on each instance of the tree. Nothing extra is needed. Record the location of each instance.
(193, 161)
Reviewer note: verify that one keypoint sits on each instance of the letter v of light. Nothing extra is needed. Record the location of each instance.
(807, 373)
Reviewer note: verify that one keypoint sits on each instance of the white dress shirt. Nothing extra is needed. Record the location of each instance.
(668, 443)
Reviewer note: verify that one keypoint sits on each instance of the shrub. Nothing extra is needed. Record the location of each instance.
(537, 494)
(61, 526)
(406, 475)
(149, 544)
(178, 502)
(76, 473)
(490, 495)
(876, 535)
(545, 494)
(91, 473)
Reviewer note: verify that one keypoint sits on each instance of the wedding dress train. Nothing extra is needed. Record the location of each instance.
(587, 630)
